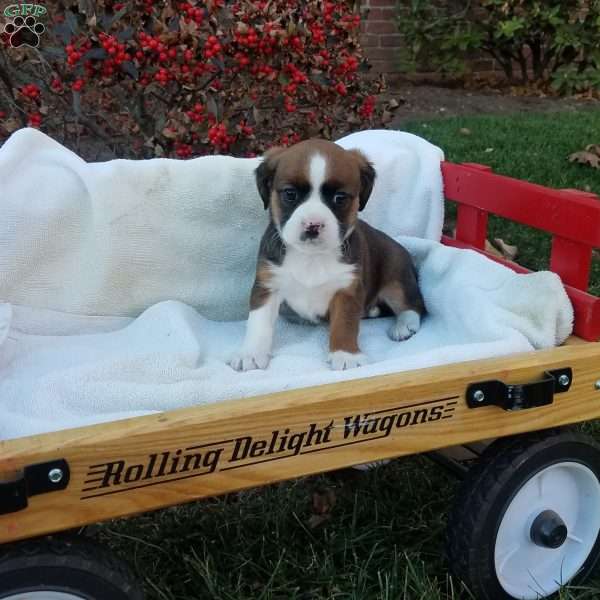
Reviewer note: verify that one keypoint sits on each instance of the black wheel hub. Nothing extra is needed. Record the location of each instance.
(548, 530)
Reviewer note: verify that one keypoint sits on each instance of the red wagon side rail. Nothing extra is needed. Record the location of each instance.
(571, 216)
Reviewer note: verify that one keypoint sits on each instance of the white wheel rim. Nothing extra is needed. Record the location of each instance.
(43, 595)
(527, 571)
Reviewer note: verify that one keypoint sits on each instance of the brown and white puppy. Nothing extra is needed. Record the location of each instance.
(318, 261)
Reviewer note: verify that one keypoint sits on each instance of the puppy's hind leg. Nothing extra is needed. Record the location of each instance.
(408, 307)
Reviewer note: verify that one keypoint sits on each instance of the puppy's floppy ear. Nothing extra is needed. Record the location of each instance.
(367, 178)
(265, 172)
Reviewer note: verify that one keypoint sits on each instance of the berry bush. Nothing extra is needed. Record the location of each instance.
(182, 79)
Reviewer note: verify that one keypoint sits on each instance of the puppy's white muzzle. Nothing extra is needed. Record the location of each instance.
(312, 227)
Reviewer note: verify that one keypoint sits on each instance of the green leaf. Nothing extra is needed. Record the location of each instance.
(77, 102)
(130, 69)
(125, 35)
(94, 53)
(117, 16)
(63, 32)
(320, 79)
(71, 21)
(508, 29)
(53, 52)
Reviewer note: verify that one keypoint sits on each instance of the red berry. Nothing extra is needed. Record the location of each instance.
(34, 119)
(340, 88)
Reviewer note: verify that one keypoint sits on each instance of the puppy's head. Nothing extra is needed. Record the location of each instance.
(314, 191)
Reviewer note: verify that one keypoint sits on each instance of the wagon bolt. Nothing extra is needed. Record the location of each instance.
(55, 475)
(478, 396)
(597, 384)
(564, 380)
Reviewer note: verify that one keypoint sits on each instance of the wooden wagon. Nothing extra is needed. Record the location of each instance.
(526, 521)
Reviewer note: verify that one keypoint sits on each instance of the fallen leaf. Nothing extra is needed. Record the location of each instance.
(393, 104)
(316, 520)
(508, 251)
(586, 158)
(489, 150)
(464, 131)
(449, 227)
(170, 133)
(323, 501)
(188, 28)
(386, 116)
(489, 247)
(11, 125)
(211, 106)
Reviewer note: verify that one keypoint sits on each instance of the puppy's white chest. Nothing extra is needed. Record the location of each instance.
(307, 282)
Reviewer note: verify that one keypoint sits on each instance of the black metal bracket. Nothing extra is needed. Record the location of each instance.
(520, 396)
(31, 481)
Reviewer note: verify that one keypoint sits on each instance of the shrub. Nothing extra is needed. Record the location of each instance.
(438, 35)
(190, 78)
(545, 40)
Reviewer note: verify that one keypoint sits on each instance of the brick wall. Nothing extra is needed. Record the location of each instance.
(380, 37)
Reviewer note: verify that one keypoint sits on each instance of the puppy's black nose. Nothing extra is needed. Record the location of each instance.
(312, 231)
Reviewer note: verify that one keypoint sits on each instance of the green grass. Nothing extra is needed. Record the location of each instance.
(532, 148)
(384, 539)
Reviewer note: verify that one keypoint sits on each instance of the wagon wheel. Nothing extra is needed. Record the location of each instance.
(527, 519)
(64, 569)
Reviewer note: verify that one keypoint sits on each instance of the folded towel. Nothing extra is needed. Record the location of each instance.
(112, 276)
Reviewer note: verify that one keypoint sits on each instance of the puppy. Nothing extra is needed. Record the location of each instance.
(318, 261)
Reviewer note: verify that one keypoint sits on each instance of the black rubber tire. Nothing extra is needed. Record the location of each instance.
(73, 565)
(490, 485)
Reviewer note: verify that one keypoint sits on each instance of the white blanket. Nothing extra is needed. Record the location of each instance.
(114, 238)
(85, 248)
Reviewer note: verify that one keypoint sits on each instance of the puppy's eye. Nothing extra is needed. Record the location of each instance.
(289, 195)
(340, 198)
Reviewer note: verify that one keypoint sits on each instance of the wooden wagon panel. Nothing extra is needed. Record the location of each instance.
(139, 464)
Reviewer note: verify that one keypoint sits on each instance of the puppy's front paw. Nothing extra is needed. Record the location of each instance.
(247, 361)
(406, 325)
(340, 360)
